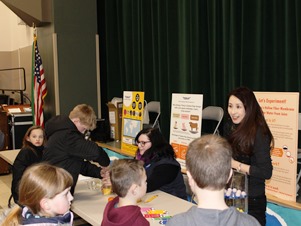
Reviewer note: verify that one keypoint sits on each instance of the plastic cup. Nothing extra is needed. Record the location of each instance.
(106, 189)
(94, 184)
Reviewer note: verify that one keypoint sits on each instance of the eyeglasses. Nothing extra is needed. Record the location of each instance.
(142, 143)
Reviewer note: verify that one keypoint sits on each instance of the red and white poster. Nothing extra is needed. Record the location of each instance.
(185, 122)
(281, 111)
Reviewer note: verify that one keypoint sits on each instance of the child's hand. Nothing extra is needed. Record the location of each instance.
(105, 172)
(106, 181)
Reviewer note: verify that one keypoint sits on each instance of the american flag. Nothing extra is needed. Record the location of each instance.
(39, 86)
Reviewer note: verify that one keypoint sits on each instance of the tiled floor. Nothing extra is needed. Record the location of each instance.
(5, 183)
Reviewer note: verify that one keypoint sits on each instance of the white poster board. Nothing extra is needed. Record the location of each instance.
(281, 113)
(185, 122)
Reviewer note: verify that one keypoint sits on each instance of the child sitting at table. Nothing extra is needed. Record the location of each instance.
(208, 164)
(44, 197)
(128, 180)
(30, 153)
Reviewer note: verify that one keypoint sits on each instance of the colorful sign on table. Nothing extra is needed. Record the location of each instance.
(281, 113)
(132, 119)
(185, 122)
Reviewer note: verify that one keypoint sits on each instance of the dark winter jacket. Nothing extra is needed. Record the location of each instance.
(67, 148)
(29, 219)
(25, 158)
(165, 174)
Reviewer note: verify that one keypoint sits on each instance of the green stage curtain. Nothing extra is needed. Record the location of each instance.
(207, 47)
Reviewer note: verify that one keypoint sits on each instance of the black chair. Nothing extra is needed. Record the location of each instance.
(2, 137)
(4, 99)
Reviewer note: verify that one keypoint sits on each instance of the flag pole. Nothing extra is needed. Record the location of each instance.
(32, 72)
(39, 89)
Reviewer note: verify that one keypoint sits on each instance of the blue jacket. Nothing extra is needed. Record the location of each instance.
(29, 219)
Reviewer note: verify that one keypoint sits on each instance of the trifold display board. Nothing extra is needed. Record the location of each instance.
(281, 113)
(132, 120)
(185, 122)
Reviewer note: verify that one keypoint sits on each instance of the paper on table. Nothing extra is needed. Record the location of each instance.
(112, 158)
(81, 177)
(112, 117)
(14, 110)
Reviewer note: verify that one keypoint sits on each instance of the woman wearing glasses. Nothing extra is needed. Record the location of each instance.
(162, 169)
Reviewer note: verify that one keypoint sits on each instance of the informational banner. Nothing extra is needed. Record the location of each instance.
(185, 122)
(132, 120)
(281, 113)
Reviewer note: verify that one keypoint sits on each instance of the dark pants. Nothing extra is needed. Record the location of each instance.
(257, 207)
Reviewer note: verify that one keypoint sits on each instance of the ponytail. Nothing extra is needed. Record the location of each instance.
(13, 217)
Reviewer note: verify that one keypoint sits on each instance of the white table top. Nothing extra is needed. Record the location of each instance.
(9, 155)
(90, 205)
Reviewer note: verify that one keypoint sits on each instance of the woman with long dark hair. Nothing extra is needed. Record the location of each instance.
(251, 141)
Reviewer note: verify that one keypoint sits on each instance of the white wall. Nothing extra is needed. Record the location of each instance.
(13, 36)
(15, 50)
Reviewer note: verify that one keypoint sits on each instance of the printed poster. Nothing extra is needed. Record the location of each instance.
(185, 122)
(132, 120)
(281, 113)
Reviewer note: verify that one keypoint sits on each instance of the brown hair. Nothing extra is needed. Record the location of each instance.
(208, 160)
(124, 173)
(86, 115)
(38, 181)
(243, 137)
(26, 143)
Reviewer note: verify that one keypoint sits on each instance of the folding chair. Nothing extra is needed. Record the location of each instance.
(213, 113)
(152, 113)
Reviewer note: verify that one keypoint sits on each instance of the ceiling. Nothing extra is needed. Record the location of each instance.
(33, 12)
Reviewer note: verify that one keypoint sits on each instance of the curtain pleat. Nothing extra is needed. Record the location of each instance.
(200, 46)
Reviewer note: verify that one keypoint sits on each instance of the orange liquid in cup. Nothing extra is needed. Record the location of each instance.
(106, 190)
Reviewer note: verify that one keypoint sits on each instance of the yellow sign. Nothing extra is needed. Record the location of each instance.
(132, 119)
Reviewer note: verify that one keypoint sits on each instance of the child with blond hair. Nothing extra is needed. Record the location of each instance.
(44, 197)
